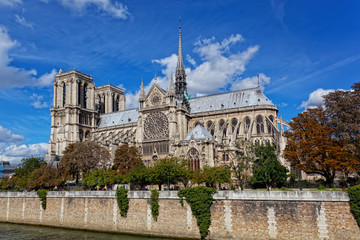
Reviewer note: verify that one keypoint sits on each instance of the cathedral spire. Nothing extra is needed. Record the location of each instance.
(180, 76)
(172, 90)
(142, 91)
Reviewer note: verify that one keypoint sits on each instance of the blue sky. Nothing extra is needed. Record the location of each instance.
(301, 49)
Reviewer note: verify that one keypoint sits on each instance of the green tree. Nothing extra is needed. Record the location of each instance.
(23, 171)
(212, 175)
(28, 165)
(139, 176)
(82, 157)
(127, 158)
(241, 166)
(101, 178)
(166, 170)
(266, 169)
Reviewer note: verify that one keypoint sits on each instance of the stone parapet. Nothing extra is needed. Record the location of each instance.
(321, 196)
(234, 214)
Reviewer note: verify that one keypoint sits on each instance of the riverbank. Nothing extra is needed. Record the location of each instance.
(235, 215)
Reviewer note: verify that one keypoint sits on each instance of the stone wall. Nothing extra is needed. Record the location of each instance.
(235, 215)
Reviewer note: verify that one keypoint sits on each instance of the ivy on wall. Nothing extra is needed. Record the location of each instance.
(354, 195)
(123, 201)
(200, 200)
(42, 195)
(155, 204)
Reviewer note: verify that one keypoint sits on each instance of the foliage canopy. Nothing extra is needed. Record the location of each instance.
(82, 157)
(267, 169)
(127, 158)
(312, 148)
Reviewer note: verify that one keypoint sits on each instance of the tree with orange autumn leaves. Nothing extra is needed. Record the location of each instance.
(312, 147)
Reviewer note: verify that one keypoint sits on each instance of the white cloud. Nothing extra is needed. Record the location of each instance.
(282, 104)
(10, 3)
(22, 21)
(315, 98)
(116, 9)
(7, 136)
(37, 101)
(251, 82)
(12, 150)
(218, 69)
(11, 76)
(14, 153)
(190, 60)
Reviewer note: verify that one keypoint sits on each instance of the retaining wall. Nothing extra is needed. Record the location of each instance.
(235, 215)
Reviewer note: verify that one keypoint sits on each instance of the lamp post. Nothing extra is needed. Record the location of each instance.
(168, 187)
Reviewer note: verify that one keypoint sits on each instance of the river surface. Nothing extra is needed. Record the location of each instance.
(28, 232)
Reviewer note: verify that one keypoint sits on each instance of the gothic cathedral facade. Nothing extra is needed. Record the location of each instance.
(205, 130)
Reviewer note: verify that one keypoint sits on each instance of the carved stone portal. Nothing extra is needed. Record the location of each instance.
(156, 126)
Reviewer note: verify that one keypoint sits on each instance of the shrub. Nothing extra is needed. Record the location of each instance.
(354, 195)
(155, 204)
(123, 201)
(42, 195)
(200, 200)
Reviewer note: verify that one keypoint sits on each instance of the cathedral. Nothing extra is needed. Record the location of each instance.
(203, 130)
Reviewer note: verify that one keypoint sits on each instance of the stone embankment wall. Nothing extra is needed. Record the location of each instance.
(235, 215)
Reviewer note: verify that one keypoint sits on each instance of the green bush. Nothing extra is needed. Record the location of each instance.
(155, 204)
(123, 201)
(200, 200)
(321, 188)
(354, 195)
(42, 195)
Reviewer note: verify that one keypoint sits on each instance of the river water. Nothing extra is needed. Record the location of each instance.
(28, 232)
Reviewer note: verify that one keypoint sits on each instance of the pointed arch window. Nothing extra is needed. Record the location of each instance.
(222, 127)
(247, 124)
(234, 126)
(99, 105)
(84, 95)
(210, 127)
(194, 159)
(259, 125)
(79, 93)
(270, 125)
(64, 95)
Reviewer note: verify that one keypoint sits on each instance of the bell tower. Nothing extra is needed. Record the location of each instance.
(73, 114)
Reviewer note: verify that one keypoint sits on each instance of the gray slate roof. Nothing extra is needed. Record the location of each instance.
(229, 100)
(199, 132)
(119, 118)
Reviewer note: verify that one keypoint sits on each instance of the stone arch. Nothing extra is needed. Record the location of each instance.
(87, 135)
(81, 135)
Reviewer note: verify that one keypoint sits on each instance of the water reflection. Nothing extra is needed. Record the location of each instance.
(22, 232)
